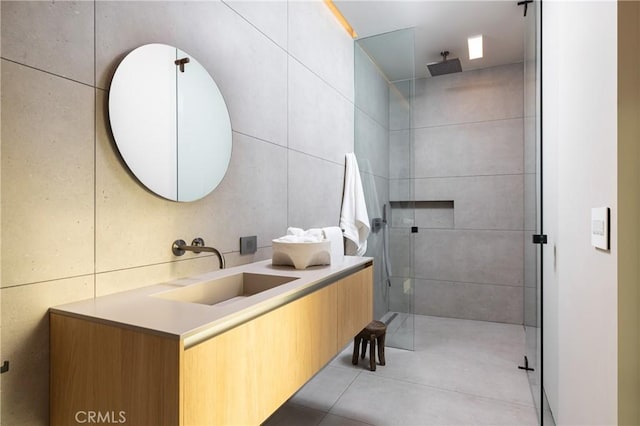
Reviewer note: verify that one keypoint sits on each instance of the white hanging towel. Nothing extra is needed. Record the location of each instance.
(354, 219)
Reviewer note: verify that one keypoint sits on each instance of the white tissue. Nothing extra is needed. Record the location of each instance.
(295, 231)
(299, 239)
(316, 232)
(298, 235)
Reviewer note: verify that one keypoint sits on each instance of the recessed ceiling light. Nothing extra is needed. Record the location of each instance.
(475, 47)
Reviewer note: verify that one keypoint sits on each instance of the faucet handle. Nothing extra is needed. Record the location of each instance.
(176, 247)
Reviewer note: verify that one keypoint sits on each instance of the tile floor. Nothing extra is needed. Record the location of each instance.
(461, 373)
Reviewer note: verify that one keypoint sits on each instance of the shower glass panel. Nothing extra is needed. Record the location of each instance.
(533, 212)
(384, 93)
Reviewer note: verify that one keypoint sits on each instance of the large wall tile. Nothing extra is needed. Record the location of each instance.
(486, 148)
(124, 26)
(498, 303)
(401, 252)
(480, 95)
(530, 307)
(373, 145)
(124, 207)
(530, 197)
(439, 214)
(315, 191)
(376, 194)
(401, 154)
(481, 202)
(264, 252)
(469, 148)
(374, 249)
(25, 343)
(134, 227)
(404, 215)
(320, 119)
(491, 257)
(131, 278)
(400, 108)
(371, 88)
(317, 39)
(252, 199)
(530, 153)
(56, 37)
(530, 260)
(376, 190)
(128, 279)
(401, 295)
(270, 17)
(531, 86)
(249, 68)
(433, 214)
(401, 189)
(47, 176)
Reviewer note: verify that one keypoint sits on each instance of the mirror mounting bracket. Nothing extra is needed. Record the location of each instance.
(181, 63)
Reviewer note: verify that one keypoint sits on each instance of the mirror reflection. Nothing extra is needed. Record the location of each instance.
(170, 122)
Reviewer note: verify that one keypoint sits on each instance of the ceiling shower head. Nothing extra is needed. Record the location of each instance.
(446, 66)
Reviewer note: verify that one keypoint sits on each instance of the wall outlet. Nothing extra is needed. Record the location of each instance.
(248, 245)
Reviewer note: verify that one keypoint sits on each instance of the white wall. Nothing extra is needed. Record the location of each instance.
(580, 172)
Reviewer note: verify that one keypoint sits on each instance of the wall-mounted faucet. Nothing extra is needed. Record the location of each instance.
(179, 247)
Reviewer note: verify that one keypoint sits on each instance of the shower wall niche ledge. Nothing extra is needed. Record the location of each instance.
(423, 214)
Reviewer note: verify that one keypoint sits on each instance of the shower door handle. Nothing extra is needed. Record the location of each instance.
(540, 239)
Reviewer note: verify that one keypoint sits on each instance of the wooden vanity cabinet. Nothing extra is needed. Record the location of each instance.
(239, 377)
(99, 369)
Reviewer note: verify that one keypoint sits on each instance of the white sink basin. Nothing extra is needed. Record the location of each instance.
(225, 290)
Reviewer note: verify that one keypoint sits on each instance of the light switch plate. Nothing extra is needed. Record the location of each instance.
(600, 227)
(248, 245)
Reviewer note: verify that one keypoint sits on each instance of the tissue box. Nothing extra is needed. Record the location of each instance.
(301, 255)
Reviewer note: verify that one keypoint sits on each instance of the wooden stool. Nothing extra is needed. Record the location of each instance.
(372, 333)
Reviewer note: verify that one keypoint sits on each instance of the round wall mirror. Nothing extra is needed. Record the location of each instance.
(170, 122)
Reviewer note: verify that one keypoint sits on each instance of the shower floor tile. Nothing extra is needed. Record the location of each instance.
(462, 372)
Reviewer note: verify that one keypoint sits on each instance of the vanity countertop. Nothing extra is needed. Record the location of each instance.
(194, 322)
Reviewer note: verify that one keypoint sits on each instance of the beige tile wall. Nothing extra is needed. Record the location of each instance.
(76, 224)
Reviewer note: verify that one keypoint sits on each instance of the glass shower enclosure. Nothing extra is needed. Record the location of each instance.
(533, 285)
(384, 91)
(384, 74)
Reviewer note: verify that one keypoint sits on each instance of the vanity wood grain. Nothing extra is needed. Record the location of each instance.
(107, 369)
(238, 377)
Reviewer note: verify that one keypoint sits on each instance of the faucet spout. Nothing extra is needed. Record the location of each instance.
(179, 247)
